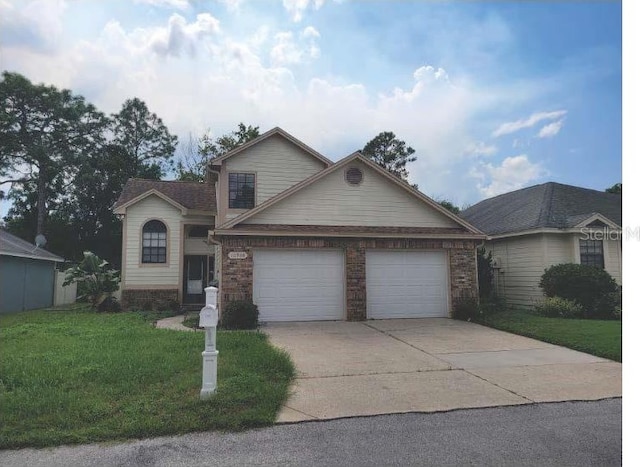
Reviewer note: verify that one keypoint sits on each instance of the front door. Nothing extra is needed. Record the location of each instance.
(195, 276)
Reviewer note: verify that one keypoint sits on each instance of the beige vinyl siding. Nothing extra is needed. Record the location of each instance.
(613, 259)
(332, 201)
(277, 163)
(138, 274)
(559, 249)
(522, 264)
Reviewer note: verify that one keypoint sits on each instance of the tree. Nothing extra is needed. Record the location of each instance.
(196, 155)
(390, 153)
(450, 206)
(44, 132)
(617, 189)
(144, 139)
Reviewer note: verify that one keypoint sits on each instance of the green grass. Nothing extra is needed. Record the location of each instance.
(596, 337)
(75, 376)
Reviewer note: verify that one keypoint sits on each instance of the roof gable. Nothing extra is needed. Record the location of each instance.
(185, 196)
(274, 131)
(423, 212)
(547, 206)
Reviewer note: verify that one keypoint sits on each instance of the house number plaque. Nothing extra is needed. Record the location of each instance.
(237, 255)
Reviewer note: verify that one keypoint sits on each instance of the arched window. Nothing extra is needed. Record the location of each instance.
(154, 242)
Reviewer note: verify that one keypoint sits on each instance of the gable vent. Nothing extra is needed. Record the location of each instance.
(353, 175)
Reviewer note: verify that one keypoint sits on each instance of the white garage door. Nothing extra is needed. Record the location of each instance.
(299, 285)
(406, 284)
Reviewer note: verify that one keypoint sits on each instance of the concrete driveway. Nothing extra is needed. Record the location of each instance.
(425, 365)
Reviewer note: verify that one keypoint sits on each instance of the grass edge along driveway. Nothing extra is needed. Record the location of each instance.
(602, 338)
(76, 376)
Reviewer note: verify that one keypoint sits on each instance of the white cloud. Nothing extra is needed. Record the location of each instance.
(287, 50)
(180, 36)
(36, 25)
(232, 5)
(551, 129)
(179, 4)
(480, 149)
(296, 8)
(534, 119)
(512, 174)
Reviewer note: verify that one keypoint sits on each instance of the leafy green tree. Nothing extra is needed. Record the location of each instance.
(197, 154)
(450, 206)
(44, 132)
(617, 189)
(143, 138)
(389, 152)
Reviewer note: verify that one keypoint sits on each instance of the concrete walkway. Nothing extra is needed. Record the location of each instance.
(174, 322)
(426, 365)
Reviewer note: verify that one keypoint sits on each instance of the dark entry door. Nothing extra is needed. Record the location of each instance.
(195, 275)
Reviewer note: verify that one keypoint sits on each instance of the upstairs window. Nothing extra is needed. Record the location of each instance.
(154, 242)
(242, 190)
(591, 253)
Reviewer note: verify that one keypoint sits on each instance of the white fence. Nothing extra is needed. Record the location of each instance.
(63, 295)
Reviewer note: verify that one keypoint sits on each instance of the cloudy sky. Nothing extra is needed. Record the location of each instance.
(492, 96)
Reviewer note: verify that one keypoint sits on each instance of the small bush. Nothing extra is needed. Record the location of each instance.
(109, 305)
(557, 307)
(465, 308)
(240, 314)
(609, 306)
(491, 305)
(583, 284)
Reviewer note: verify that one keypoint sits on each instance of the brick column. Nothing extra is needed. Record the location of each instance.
(356, 283)
(464, 281)
(237, 276)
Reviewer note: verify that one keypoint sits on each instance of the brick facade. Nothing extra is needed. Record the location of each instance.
(148, 298)
(236, 281)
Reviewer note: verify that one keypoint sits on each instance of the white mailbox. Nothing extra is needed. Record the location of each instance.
(209, 317)
(209, 321)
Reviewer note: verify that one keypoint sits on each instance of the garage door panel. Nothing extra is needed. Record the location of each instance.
(406, 284)
(299, 285)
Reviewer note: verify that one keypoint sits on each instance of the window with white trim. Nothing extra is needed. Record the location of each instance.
(592, 253)
(242, 188)
(154, 242)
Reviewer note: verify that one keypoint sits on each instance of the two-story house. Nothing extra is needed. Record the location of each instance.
(303, 237)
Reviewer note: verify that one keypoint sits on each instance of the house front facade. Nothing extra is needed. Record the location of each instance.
(302, 237)
(537, 227)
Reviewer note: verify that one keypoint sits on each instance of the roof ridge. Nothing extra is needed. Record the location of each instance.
(166, 181)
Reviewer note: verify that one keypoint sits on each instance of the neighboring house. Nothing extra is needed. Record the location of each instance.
(302, 237)
(26, 275)
(537, 227)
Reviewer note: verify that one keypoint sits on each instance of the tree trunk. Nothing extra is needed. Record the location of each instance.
(42, 195)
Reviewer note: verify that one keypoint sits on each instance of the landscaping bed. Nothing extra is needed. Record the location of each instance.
(77, 376)
(602, 338)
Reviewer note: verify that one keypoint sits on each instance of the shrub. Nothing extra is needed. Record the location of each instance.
(465, 308)
(491, 305)
(609, 306)
(557, 307)
(95, 281)
(109, 305)
(583, 284)
(485, 273)
(239, 314)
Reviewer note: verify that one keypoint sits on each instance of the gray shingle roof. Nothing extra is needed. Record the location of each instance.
(549, 205)
(10, 245)
(191, 195)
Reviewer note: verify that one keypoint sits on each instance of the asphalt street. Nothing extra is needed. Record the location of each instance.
(565, 433)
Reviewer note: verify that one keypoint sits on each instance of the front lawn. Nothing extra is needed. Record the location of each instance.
(75, 376)
(596, 337)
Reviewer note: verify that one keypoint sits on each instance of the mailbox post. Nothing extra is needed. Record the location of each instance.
(209, 321)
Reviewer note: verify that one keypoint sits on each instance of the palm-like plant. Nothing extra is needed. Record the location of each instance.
(98, 281)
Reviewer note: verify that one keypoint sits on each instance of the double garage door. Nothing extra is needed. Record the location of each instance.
(309, 285)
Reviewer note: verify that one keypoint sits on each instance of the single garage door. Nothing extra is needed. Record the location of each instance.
(406, 284)
(299, 285)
